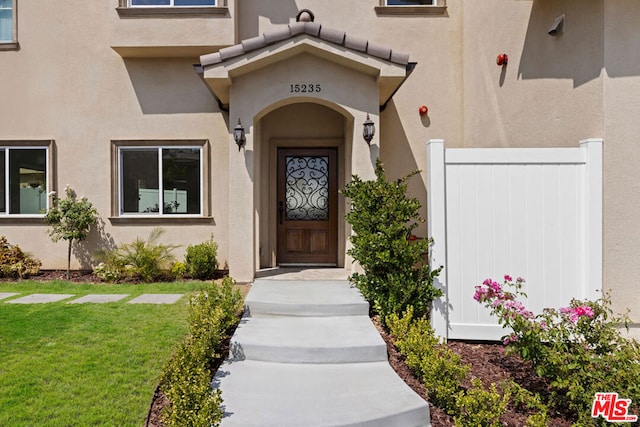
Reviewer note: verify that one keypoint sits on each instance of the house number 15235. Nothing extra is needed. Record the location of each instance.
(305, 88)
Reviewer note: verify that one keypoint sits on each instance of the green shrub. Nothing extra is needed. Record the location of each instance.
(109, 271)
(479, 407)
(186, 380)
(524, 399)
(440, 369)
(383, 218)
(14, 263)
(201, 260)
(146, 260)
(178, 269)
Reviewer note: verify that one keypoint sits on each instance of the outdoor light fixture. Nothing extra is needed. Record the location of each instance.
(368, 129)
(557, 27)
(238, 135)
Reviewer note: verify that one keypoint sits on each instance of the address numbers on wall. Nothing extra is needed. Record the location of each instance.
(305, 88)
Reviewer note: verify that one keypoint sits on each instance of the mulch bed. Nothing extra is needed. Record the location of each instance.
(490, 364)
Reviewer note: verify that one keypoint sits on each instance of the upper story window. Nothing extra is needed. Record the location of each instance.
(171, 3)
(7, 21)
(411, 2)
(160, 180)
(411, 7)
(24, 184)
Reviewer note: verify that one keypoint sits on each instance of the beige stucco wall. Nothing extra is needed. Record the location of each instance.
(550, 92)
(621, 152)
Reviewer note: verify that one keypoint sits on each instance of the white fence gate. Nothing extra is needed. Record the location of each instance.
(535, 213)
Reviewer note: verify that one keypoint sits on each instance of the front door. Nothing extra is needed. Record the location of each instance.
(307, 206)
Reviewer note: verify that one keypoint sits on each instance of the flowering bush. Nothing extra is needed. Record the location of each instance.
(579, 348)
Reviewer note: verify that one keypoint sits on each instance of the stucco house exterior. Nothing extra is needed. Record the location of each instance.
(243, 118)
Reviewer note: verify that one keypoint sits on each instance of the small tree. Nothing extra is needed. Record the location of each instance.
(383, 218)
(70, 219)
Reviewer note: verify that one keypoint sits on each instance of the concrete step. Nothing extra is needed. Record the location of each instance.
(266, 394)
(286, 339)
(306, 354)
(305, 298)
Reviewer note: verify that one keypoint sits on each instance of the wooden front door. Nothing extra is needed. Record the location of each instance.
(307, 206)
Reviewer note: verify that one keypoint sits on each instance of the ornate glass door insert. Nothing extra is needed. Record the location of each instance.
(307, 188)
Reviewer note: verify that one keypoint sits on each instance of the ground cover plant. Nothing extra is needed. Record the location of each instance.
(85, 364)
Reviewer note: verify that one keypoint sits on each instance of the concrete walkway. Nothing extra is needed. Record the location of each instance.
(306, 354)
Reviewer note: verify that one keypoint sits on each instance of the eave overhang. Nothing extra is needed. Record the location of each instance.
(389, 67)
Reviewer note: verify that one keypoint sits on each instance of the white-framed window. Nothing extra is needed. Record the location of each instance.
(160, 180)
(24, 182)
(411, 2)
(7, 21)
(171, 3)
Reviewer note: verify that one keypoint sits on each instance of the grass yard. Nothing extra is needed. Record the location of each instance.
(85, 364)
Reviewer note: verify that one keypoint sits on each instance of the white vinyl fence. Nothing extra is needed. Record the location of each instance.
(534, 213)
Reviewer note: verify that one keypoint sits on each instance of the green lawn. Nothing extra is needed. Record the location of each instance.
(85, 364)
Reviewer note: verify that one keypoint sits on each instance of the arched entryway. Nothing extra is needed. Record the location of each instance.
(304, 148)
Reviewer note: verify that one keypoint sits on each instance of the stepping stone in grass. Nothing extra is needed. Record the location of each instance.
(40, 298)
(99, 298)
(156, 299)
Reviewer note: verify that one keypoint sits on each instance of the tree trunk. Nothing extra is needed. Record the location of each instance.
(69, 260)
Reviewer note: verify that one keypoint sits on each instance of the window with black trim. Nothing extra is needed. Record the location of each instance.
(24, 182)
(160, 180)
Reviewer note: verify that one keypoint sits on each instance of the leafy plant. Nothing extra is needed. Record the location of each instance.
(178, 269)
(439, 368)
(187, 378)
(479, 407)
(531, 401)
(70, 219)
(579, 348)
(201, 260)
(143, 259)
(383, 219)
(15, 263)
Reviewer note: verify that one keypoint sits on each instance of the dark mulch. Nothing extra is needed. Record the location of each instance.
(490, 364)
